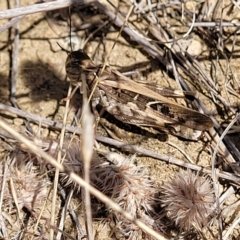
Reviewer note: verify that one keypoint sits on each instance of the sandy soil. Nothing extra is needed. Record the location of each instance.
(41, 84)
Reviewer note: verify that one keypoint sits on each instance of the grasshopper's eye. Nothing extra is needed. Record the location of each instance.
(80, 55)
(78, 59)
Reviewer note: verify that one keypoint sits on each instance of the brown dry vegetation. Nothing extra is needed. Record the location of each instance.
(191, 45)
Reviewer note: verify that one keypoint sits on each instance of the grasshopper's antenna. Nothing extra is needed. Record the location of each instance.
(70, 27)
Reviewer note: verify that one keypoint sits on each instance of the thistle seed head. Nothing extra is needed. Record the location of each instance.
(188, 199)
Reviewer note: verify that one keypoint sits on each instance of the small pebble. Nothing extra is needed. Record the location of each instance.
(18, 122)
(195, 48)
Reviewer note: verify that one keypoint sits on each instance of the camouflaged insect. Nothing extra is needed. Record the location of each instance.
(143, 105)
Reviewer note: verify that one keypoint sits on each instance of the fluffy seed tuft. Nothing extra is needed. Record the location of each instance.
(188, 199)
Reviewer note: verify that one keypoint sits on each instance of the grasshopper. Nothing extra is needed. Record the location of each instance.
(143, 105)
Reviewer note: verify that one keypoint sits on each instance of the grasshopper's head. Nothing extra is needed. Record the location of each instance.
(77, 63)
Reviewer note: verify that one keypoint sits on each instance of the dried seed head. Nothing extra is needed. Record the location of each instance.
(188, 199)
(73, 162)
(132, 189)
(30, 188)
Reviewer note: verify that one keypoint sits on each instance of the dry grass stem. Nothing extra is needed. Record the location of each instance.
(87, 143)
(59, 158)
(40, 7)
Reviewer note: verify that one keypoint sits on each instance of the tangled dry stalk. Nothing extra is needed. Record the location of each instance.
(59, 176)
